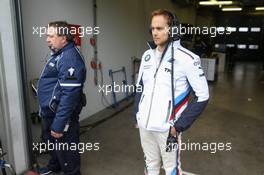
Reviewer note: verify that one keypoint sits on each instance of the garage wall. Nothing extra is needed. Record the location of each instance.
(123, 34)
(205, 18)
(120, 38)
(186, 14)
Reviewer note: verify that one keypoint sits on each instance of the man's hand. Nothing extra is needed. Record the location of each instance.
(173, 131)
(56, 134)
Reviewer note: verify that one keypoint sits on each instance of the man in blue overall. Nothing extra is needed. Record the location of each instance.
(61, 98)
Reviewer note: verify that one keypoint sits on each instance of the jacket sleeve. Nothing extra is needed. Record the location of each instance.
(198, 82)
(137, 98)
(139, 83)
(71, 78)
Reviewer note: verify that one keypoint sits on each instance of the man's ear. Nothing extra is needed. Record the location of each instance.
(64, 39)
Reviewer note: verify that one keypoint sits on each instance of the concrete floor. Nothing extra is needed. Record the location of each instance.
(234, 115)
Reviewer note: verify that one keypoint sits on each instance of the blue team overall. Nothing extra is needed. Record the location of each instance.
(60, 94)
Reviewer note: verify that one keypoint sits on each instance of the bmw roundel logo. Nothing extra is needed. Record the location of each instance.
(147, 57)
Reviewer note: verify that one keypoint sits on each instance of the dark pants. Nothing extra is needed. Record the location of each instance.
(63, 158)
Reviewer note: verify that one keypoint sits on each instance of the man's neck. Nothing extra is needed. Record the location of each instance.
(161, 48)
(57, 50)
(64, 45)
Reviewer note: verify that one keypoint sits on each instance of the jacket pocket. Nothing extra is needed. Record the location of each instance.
(53, 105)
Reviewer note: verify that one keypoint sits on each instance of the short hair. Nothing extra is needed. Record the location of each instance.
(166, 13)
(62, 29)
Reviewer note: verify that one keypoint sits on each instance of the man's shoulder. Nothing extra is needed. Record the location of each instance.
(148, 51)
(70, 52)
(187, 53)
(72, 56)
(186, 56)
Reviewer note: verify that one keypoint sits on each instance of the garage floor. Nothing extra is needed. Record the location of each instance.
(234, 116)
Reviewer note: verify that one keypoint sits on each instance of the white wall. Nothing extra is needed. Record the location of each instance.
(123, 34)
(121, 37)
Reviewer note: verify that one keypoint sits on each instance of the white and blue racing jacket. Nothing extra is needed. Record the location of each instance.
(154, 108)
(60, 87)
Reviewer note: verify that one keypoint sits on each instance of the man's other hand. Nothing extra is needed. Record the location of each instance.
(173, 132)
(56, 134)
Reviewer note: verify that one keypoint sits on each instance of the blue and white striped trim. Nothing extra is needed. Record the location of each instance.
(70, 84)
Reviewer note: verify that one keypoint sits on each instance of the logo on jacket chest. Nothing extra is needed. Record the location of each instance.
(147, 57)
(167, 70)
(51, 64)
(51, 68)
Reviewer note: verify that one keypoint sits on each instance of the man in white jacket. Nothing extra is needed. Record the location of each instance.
(160, 113)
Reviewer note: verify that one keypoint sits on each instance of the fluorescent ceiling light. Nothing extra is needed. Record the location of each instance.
(241, 46)
(217, 45)
(259, 8)
(231, 29)
(255, 29)
(243, 29)
(220, 29)
(232, 9)
(215, 2)
(253, 46)
(230, 45)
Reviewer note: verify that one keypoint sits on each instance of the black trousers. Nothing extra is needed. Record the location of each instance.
(65, 156)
